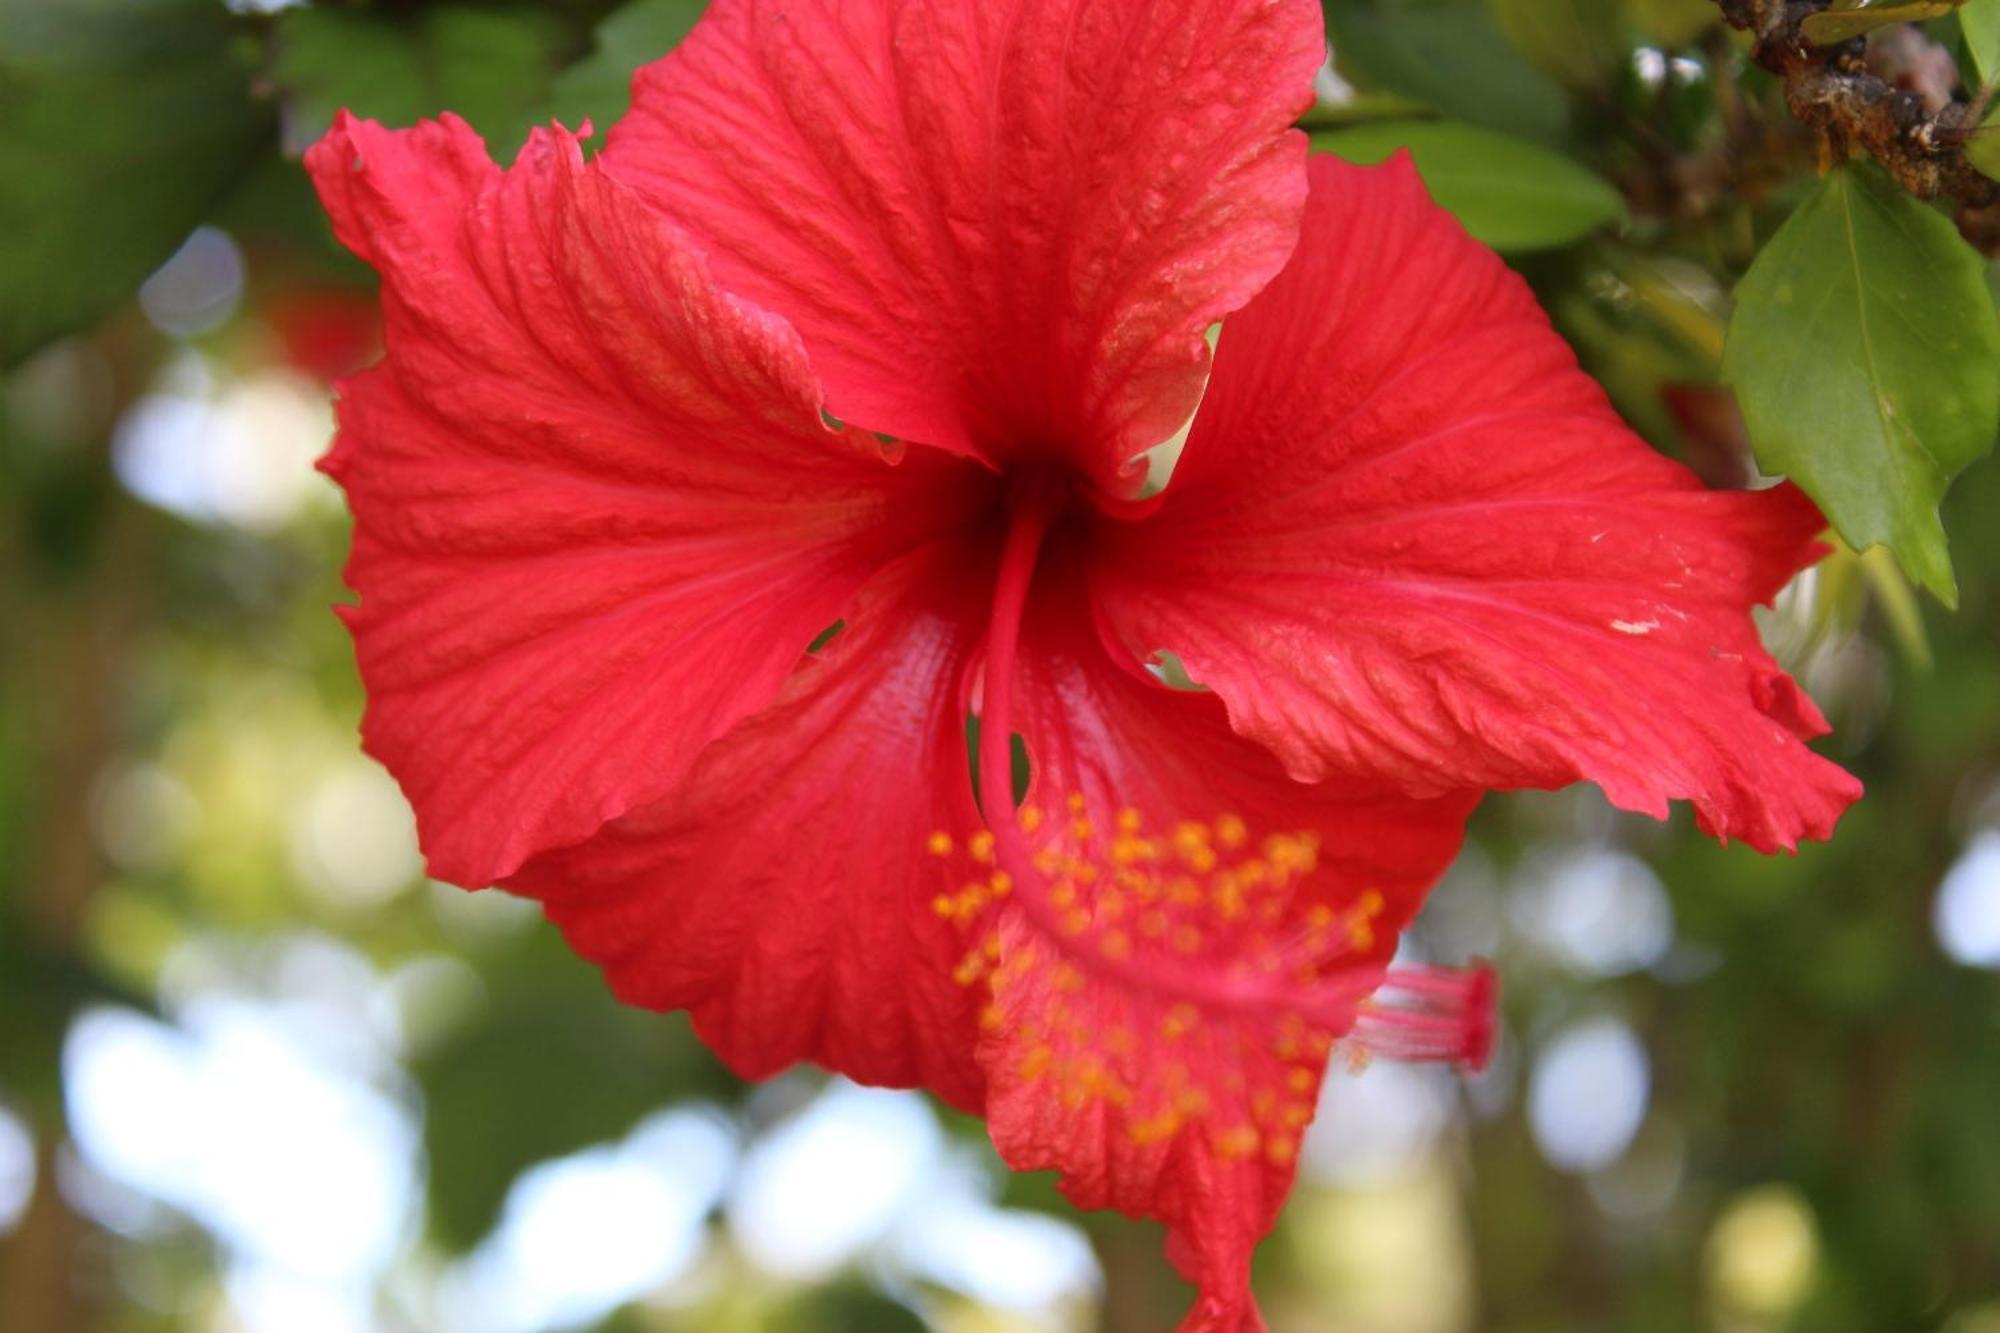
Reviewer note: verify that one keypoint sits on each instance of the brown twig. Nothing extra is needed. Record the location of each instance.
(1830, 90)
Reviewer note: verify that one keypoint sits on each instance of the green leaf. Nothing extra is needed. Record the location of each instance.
(1979, 21)
(1866, 355)
(1510, 194)
(494, 67)
(1580, 42)
(1450, 55)
(1834, 26)
(121, 123)
(599, 86)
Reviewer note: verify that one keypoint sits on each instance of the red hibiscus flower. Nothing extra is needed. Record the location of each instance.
(606, 512)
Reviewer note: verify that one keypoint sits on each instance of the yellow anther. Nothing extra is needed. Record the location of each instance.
(1031, 817)
(1231, 831)
(1370, 903)
(992, 1018)
(1192, 1103)
(1281, 1149)
(1076, 803)
(1228, 897)
(944, 905)
(1037, 1061)
(1068, 979)
(1296, 1115)
(1075, 921)
(1155, 1129)
(1236, 1142)
(990, 946)
(1081, 829)
(1130, 820)
(939, 843)
(1000, 883)
(980, 846)
(1301, 1080)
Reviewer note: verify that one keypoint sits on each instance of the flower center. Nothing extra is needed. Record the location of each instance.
(1193, 925)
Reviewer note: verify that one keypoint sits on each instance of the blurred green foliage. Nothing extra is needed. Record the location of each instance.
(181, 800)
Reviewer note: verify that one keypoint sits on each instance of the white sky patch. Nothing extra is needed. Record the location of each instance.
(232, 1119)
(1378, 1126)
(582, 1235)
(1966, 912)
(1006, 1258)
(1588, 1094)
(238, 453)
(830, 1182)
(1600, 913)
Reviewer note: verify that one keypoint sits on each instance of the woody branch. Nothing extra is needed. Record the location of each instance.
(1830, 90)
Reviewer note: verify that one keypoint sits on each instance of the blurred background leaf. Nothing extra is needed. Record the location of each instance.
(125, 121)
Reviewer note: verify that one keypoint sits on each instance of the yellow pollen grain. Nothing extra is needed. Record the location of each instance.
(939, 843)
(1281, 1149)
(1231, 831)
(1076, 803)
(1130, 820)
(1081, 829)
(1000, 883)
(1037, 1061)
(1031, 817)
(1235, 1143)
(1300, 1080)
(992, 1018)
(980, 846)
(944, 906)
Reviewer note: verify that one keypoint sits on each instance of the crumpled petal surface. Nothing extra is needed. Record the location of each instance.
(1000, 228)
(597, 513)
(1145, 1102)
(1410, 543)
(783, 895)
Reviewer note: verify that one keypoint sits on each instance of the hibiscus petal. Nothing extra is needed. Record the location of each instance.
(597, 512)
(784, 895)
(1150, 812)
(1000, 228)
(1410, 541)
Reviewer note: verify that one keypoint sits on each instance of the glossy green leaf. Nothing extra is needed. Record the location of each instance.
(1979, 22)
(1833, 26)
(121, 123)
(1866, 355)
(494, 67)
(1450, 55)
(598, 87)
(1510, 194)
